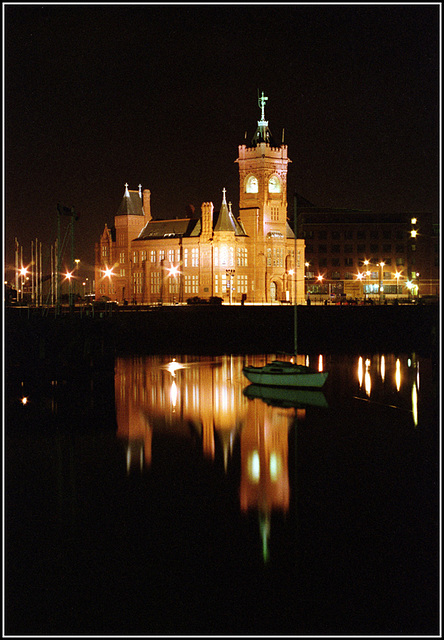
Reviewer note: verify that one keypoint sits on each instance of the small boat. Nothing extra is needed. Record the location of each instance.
(286, 397)
(281, 373)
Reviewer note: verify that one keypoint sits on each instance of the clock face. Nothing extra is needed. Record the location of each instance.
(274, 185)
(252, 185)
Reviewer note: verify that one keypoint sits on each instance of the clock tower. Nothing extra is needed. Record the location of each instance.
(275, 265)
(263, 182)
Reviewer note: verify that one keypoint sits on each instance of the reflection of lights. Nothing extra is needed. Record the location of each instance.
(360, 371)
(320, 363)
(398, 374)
(307, 361)
(173, 394)
(173, 366)
(415, 405)
(275, 466)
(417, 375)
(382, 368)
(24, 400)
(254, 466)
(367, 378)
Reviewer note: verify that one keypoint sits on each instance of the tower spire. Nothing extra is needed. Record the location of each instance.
(263, 133)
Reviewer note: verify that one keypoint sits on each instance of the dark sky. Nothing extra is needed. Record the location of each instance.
(99, 95)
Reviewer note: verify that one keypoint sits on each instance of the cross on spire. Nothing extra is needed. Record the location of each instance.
(224, 191)
(262, 101)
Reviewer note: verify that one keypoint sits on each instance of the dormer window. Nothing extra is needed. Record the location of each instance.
(252, 185)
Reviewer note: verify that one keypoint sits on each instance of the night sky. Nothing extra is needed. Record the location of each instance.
(99, 95)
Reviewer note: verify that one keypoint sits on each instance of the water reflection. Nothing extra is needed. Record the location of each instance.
(403, 375)
(209, 400)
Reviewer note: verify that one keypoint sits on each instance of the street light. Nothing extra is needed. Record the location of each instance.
(230, 273)
(397, 275)
(290, 273)
(381, 280)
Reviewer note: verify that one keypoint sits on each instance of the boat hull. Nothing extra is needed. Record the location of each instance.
(314, 380)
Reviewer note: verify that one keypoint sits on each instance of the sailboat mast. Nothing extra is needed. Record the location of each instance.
(295, 328)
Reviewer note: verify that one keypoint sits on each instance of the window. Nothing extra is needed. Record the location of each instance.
(143, 256)
(275, 214)
(348, 248)
(104, 251)
(322, 248)
(374, 248)
(135, 257)
(322, 235)
(361, 248)
(155, 282)
(268, 257)
(335, 248)
(185, 257)
(171, 256)
(278, 256)
(191, 284)
(241, 256)
(153, 257)
(348, 262)
(242, 284)
(309, 248)
(274, 185)
(137, 282)
(323, 262)
(216, 283)
(360, 235)
(252, 185)
(335, 275)
(173, 285)
(195, 257)
(348, 275)
(161, 255)
(399, 262)
(386, 234)
(399, 248)
(348, 235)
(387, 248)
(335, 262)
(122, 257)
(335, 235)
(122, 273)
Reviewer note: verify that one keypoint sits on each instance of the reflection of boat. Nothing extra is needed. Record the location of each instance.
(286, 397)
(281, 373)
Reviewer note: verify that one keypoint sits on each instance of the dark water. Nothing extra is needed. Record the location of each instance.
(164, 501)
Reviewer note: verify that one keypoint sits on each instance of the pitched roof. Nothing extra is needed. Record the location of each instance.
(174, 228)
(131, 204)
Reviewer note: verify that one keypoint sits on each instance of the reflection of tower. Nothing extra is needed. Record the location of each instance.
(264, 463)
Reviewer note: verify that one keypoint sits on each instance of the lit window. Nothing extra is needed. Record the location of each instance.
(274, 185)
(252, 185)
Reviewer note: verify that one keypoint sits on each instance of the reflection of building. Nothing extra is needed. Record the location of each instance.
(249, 256)
(184, 399)
(203, 400)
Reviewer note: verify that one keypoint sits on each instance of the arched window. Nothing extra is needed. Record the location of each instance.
(252, 185)
(274, 185)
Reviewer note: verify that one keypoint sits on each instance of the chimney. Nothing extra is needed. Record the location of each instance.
(147, 203)
(207, 221)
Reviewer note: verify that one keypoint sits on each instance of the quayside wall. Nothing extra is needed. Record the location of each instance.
(74, 341)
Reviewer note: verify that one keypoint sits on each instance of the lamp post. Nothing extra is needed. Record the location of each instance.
(230, 273)
(290, 273)
(397, 276)
(381, 281)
